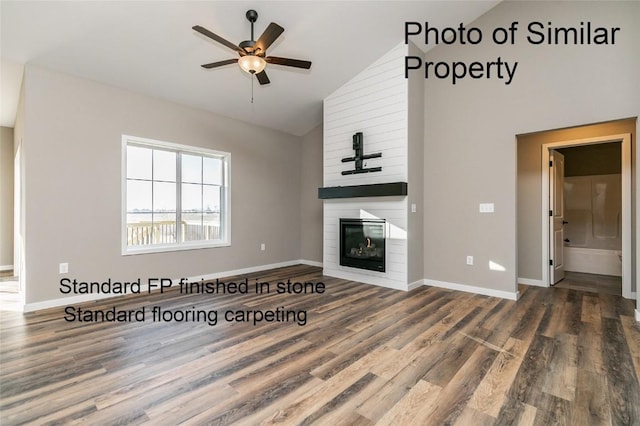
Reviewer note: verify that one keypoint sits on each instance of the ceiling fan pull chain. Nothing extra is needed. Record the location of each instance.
(252, 87)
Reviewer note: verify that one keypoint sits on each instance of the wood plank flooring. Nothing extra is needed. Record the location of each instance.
(591, 283)
(8, 282)
(366, 355)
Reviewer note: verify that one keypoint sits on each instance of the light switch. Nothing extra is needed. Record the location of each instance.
(487, 208)
(413, 208)
(63, 268)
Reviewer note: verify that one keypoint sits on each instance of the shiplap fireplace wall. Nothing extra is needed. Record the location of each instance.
(388, 109)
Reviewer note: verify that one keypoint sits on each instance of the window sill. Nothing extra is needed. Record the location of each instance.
(129, 251)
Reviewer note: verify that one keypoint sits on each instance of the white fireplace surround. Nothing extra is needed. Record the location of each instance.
(376, 103)
(392, 210)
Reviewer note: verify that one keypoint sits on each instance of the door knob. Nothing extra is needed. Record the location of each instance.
(564, 222)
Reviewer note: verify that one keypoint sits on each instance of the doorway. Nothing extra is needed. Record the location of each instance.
(555, 212)
(10, 288)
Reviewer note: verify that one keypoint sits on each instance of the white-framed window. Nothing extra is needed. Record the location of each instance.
(174, 197)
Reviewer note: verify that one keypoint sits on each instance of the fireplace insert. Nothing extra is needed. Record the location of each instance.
(362, 243)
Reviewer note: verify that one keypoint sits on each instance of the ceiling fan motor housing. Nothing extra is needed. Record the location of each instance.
(247, 45)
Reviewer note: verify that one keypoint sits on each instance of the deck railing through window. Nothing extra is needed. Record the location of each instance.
(146, 233)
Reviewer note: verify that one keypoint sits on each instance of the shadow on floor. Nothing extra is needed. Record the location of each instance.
(593, 283)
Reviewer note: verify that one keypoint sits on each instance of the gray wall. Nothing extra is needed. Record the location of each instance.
(310, 204)
(6, 197)
(471, 128)
(72, 155)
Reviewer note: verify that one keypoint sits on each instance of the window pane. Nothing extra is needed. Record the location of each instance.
(138, 162)
(211, 226)
(191, 197)
(212, 170)
(164, 165)
(134, 218)
(164, 197)
(142, 229)
(211, 199)
(164, 228)
(191, 168)
(138, 196)
(139, 229)
(192, 227)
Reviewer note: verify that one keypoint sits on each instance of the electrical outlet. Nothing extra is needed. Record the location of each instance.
(263, 246)
(64, 268)
(469, 260)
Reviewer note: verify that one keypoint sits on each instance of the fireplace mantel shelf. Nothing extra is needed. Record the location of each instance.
(354, 191)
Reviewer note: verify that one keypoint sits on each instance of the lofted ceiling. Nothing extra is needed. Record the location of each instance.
(150, 48)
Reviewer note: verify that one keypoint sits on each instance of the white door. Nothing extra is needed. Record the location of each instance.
(556, 216)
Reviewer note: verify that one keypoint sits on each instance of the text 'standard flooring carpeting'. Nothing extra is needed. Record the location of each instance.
(366, 355)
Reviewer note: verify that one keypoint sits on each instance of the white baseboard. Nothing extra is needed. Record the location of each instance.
(310, 262)
(65, 301)
(246, 270)
(637, 315)
(6, 267)
(529, 281)
(473, 289)
(415, 284)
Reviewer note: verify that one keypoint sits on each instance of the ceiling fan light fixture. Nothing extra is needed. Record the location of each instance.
(252, 64)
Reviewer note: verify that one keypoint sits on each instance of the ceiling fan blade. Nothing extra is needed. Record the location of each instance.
(269, 35)
(217, 38)
(297, 63)
(262, 77)
(220, 63)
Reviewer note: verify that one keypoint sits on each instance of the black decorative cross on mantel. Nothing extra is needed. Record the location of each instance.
(358, 147)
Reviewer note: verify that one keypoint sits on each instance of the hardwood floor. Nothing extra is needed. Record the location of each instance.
(6, 274)
(9, 282)
(591, 283)
(366, 355)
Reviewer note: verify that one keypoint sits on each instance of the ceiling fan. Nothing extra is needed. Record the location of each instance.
(252, 52)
